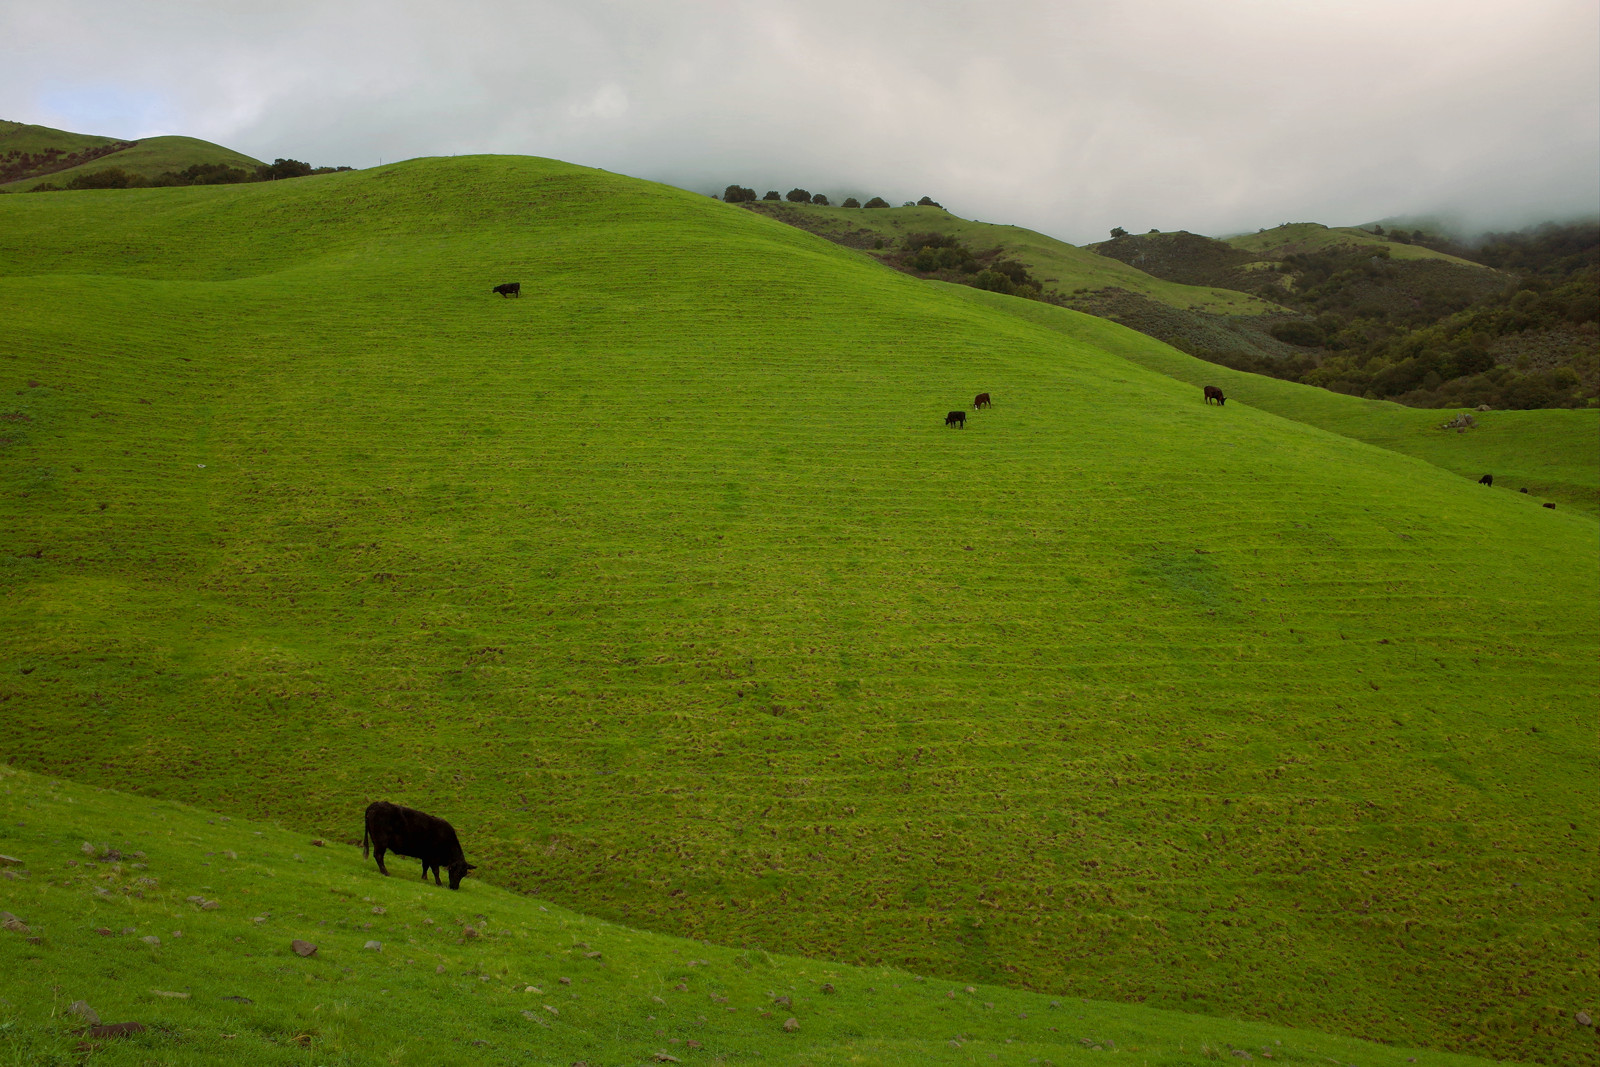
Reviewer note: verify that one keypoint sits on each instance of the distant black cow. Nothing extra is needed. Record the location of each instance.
(956, 418)
(407, 832)
(1213, 393)
(509, 289)
(1552, 507)
(1522, 490)
(981, 400)
(1487, 479)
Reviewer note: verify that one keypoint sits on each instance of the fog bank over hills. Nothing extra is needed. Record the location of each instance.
(1067, 118)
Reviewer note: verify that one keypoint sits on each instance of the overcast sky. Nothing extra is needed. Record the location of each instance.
(1070, 117)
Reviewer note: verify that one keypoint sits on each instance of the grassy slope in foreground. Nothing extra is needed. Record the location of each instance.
(665, 583)
(151, 157)
(433, 994)
(1063, 268)
(1555, 453)
(1294, 237)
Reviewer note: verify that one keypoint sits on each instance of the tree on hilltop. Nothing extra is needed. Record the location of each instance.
(798, 196)
(1118, 231)
(818, 198)
(877, 201)
(738, 194)
(850, 201)
(929, 201)
(772, 194)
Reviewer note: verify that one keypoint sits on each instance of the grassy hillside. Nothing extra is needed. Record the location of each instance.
(529, 983)
(666, 581)
(1551, 453)
(149, 158)
(22, 137)
(1293, 237)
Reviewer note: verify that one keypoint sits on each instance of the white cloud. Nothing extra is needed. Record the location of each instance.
(1070, 117)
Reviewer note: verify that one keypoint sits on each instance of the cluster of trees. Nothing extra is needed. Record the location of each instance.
(944, 256)
(738, 194)
(1533, 344)
(198, 174)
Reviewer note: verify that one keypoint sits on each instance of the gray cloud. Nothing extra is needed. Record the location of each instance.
(1069, 117)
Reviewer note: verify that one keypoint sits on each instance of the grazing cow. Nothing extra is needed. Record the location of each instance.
(1522, 490)
(509, 289)
(981, 400)
(1487, 479)
(1552, 507)
(407, 832)
(1213, 393)
(956, 418)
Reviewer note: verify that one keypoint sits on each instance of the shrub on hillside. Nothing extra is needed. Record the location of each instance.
(818, 198)
(877, 201)
(850, 201)
(109, 178)
(928, 201)
(1118, 231)
(283, 168)
(773, 194)
(798, 196)
(738, 194)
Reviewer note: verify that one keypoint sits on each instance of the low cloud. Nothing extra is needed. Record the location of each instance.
(1065, 117)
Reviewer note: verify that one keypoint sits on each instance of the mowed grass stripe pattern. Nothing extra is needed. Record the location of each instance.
(666, 583)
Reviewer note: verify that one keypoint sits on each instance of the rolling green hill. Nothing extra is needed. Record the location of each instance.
(666, 581)
(1294, 237)
(150, 157)
(523, 982)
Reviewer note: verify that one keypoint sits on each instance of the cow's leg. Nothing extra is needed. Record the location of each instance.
(424, 870)
(377, 852)
(436, 875)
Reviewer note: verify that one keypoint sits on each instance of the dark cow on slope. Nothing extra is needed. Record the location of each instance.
(407, 832)
(509, 289)
(956, 418)
(1213, 393)
(1487, 479)
(981, 400)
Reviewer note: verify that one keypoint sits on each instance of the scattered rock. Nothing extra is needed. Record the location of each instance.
(304, 948)
(828, 989)
(259, 919)
(469, 932)
(439, 969)
(81, 1008)
(209, 905)
(375, 946)
(591, 955)
(693, 1044)
(1485, 407)
(12, 923)
(564, 981)
(319, 843)
(230, 854)
(169, 993)
(1582, 1019)
(682, 987)
(104, 931)
(974, 989)
(791, 1024)
(551, 1010)
(195, 900)
(151, 939)
(86, 848)
(783, 1002)
(10, 861)
(177, 933)
(239, 999)
(379, 909)
(1461, 422)
(129, 930)
(662, 1057)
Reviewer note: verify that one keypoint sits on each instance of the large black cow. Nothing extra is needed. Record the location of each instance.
(1213, 393)
(509, 289)
(956, 418)
(1487, 479)
(407, 832)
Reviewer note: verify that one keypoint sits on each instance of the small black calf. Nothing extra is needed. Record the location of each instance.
(508, 289)
(1487, 479)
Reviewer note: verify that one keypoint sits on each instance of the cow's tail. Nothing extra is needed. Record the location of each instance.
(366, 834)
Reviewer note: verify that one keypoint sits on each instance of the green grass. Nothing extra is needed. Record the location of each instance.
(21, 137)
(1294, 237)
(433, 994)
(1063, 268)
(666, 583)
(150, 157)
(1552, 453)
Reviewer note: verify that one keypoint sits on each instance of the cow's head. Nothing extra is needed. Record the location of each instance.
(458, 870)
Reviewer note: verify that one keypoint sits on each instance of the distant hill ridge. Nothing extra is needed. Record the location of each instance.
(35, 157)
